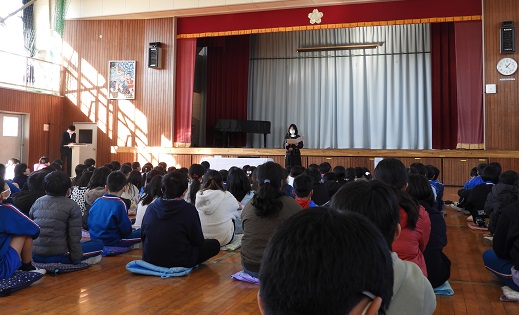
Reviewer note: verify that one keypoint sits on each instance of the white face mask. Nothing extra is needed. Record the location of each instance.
(292, 132)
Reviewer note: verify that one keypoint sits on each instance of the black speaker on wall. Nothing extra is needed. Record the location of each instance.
(507, 37)
(155, 55)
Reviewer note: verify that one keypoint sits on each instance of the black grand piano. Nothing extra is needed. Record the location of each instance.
(226, 126)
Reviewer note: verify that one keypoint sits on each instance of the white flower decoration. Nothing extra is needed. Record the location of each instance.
(315, 16)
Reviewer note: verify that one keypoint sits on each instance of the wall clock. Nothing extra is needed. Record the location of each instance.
(507, 66)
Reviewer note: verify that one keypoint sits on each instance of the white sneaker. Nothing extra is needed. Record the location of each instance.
(93, 260)
(489, 240)
(38, 270)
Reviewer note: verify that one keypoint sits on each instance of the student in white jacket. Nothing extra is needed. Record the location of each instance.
(215, 207)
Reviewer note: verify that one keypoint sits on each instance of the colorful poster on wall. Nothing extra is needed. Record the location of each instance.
(121, 80)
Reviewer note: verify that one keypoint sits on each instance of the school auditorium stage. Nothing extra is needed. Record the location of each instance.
(107, 288)
(454, 165)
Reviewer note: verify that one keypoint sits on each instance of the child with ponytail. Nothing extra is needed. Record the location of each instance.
(260, 217)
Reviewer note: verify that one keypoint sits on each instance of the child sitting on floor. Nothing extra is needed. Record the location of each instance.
(505, 192)
(108, 218)
(216, 208)
(303, 191)
(60, 221)
(477, 196)
(333, 282)
(412, 292)
(171, 230)
(16, 236)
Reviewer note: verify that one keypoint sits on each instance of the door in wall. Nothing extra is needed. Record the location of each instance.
(12, 137)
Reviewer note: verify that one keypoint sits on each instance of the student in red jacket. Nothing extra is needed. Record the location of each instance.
(414, 219)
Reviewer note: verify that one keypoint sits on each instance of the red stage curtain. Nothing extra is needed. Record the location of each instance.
(444, 86)
(185, 74)
(227, 82)
(469, 64)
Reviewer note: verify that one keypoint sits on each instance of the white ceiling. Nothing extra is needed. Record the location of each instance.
(129, 9)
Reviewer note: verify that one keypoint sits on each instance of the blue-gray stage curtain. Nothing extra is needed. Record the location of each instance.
(367, 99)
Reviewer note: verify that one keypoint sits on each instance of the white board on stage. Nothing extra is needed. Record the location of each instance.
(219, 163)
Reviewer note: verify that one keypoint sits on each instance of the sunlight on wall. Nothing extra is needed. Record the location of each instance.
(86, 88)
(170, 160)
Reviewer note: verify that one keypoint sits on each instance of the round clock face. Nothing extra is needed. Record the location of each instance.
(507, 66)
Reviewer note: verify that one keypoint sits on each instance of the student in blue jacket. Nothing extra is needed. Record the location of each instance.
(16, 234)
(108, 218)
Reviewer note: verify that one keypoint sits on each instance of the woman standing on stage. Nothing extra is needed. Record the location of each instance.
(292, 146)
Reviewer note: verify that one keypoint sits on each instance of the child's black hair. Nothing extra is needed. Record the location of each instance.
(325, 167)
(238, 183)
(373, 199)
(303, 186)
(19, 169)
(196, 173)
(490, 173)
(474, 172)
(135, 179)
(116, 181)
(314, 174)
(212, 180)
(420, 189)
(79, 169)
(206, 165)
(266, 201)
(98, 178)
(116, 165)
(173, 185)
(57, 184)
(354, 252)
(152, 190)
(125, 169)
(35, 181)
(509, 178)
(89, 162)
(84, 179)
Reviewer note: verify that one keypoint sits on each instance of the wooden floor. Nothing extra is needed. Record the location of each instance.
(107, 288)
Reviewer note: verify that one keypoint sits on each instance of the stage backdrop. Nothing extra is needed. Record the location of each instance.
(373, 99)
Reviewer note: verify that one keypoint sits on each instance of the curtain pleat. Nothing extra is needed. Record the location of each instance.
(469, 72)
(372, 99)
(186, 56)
(444, 86)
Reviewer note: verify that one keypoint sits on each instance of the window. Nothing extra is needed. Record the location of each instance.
(10, 126)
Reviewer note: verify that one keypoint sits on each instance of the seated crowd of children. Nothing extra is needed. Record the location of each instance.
(491, 198)
(183, 217)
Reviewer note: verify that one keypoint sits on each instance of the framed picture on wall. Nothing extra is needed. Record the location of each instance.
(121, 80)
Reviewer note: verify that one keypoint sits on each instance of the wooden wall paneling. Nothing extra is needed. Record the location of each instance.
(122, 158)
(456, 171)
(157, 89)
(41, 109)
(507, 163)
(501, 110)
(182, 161)
(344, 161)
(144, 121)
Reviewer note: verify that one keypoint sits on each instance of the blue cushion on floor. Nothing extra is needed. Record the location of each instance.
(444, 289)
(145, 268)
(19, 280)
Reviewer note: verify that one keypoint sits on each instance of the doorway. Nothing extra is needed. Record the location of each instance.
(14, 134)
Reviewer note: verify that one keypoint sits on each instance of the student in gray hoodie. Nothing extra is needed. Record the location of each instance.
(412, 292)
